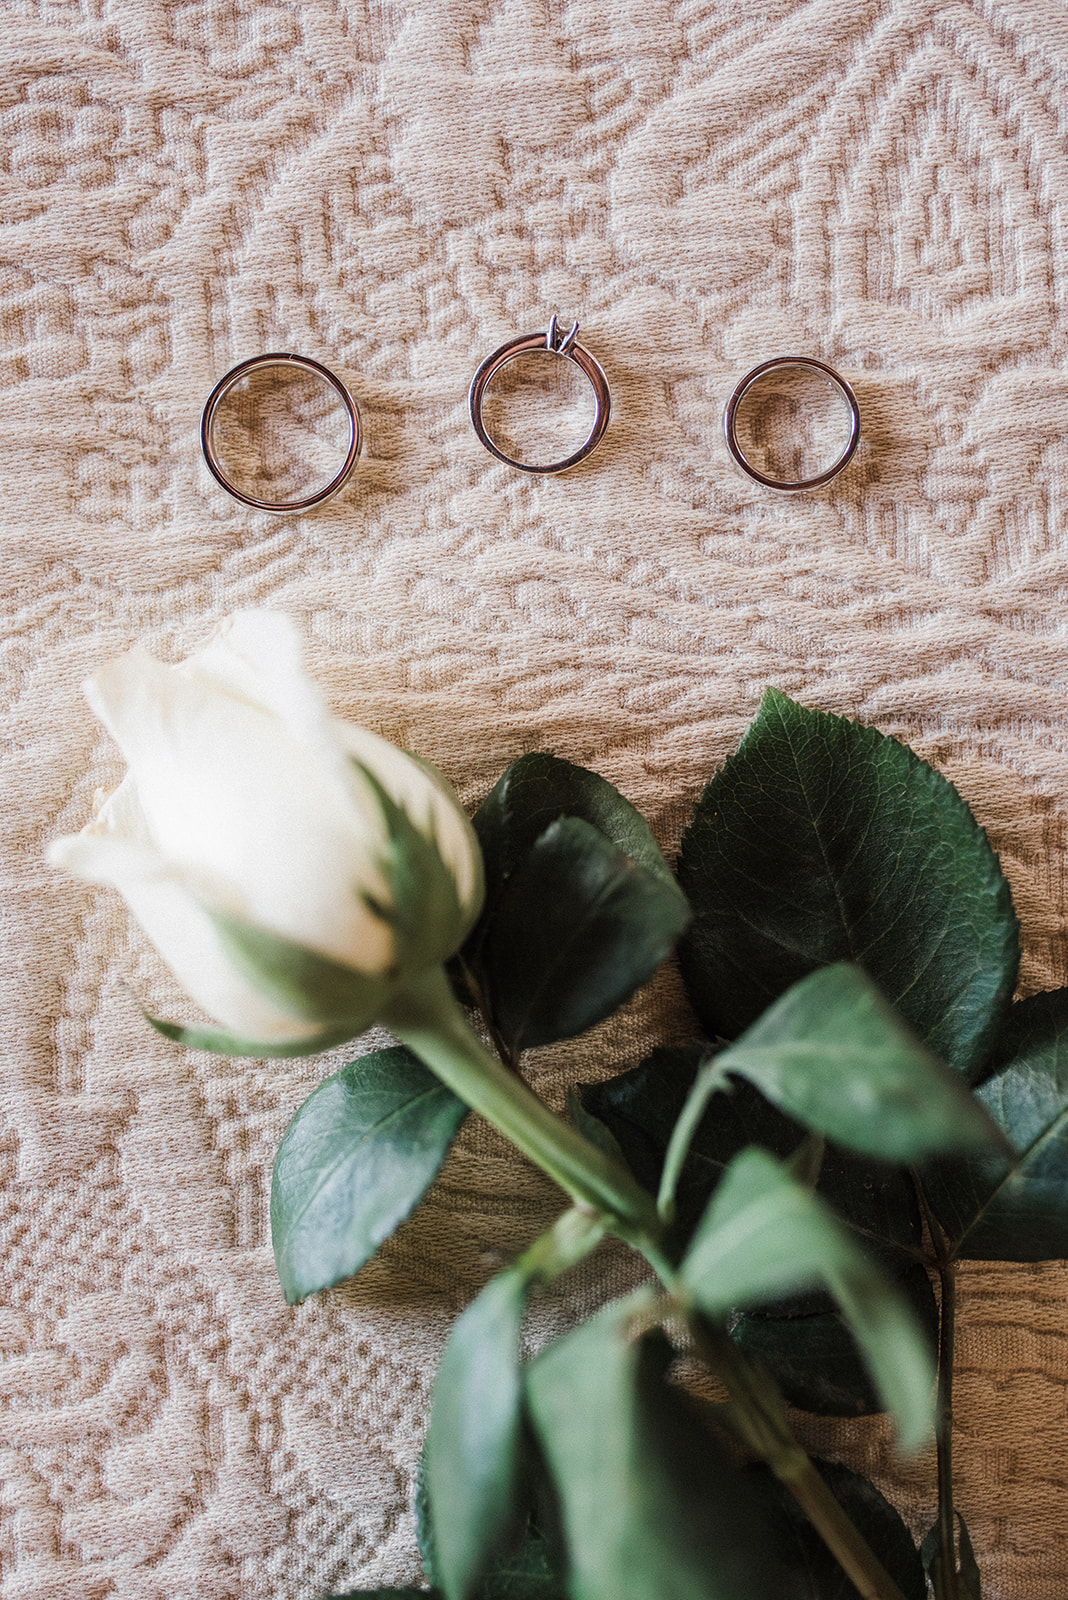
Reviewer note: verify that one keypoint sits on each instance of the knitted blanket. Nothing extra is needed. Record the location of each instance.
(395, 190)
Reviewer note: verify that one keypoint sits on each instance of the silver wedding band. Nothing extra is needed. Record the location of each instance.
(566, 346)
(281, 359)
(837, 383)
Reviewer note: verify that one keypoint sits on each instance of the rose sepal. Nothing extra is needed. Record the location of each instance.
(309, 986)
(221, 1043)
(423, 908)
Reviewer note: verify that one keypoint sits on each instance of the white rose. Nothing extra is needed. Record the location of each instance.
(293, 870)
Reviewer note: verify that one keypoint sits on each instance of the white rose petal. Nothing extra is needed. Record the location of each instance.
(243, 811)
(116, 849)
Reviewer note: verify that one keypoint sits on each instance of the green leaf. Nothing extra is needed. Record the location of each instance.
(355, 1160)
(824, 841)
(472, 1453)
(524, 1574)
(535, 792)
(592, 1128)
(570, 927)
(765, 1235)
(424, 1528)
(813, 1356)
(301, 981)
(874, 1517)
(641, 1107)
(650, 1506)
(998, 1208)
(576, 929)
(835, 1056)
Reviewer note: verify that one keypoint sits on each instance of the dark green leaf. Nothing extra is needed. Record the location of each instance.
(559, 895)
(994, 1208)
(592, 1128)
(651, 1508)
(831, 1053)
(472, 1455)
(873, 1515)
(576, 929)
(825, 841)
(525, 1574)
(355, 1160)
(814, 1359)
(710, 1080)
(535, 792)
(764, 1235)
(640, 1108)
(302, 981)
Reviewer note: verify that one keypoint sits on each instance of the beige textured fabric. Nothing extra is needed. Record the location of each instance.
(395, 189)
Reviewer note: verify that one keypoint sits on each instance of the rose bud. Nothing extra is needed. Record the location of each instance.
(294, 871)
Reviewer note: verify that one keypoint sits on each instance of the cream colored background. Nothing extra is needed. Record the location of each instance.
(395, 188)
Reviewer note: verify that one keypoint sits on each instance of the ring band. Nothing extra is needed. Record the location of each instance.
(565, 346)
(838, 383)
(280, 358)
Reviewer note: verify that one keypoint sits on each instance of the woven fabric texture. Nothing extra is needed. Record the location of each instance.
(395, 189)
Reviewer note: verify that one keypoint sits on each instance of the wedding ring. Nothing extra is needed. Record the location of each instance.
(754, 378)
(210, 417)
(559, 346)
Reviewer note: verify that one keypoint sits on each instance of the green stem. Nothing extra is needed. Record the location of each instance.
(474, 989)
(757, 1417)
(709, 1078)
(427, 1018)
(945, 1571)
(570, 1239)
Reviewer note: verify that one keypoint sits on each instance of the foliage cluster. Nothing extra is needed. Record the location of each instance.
(865, 1107)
